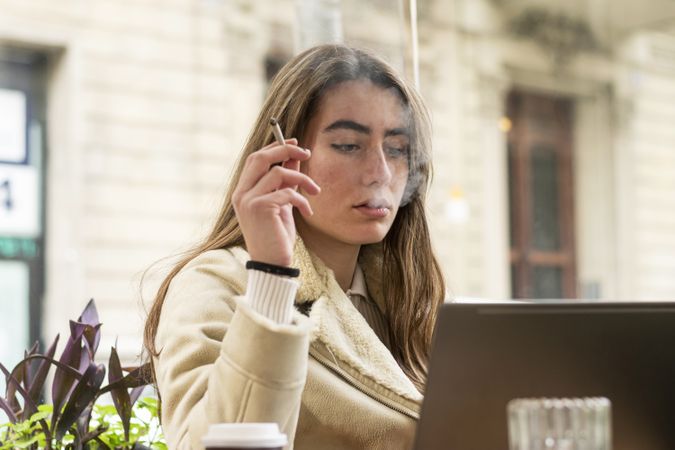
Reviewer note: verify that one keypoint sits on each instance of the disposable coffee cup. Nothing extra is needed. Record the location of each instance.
(249, 436)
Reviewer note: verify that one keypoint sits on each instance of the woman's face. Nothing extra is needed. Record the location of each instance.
(359, 138)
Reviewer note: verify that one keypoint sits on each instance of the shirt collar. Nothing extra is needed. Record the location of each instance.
(358, 286)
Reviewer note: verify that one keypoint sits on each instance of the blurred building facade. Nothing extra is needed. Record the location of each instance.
(554, 161)
(553, 119)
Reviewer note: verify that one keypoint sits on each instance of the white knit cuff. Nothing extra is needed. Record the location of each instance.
(271, 295)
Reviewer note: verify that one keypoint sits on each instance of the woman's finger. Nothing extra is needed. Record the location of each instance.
(281, 198)
(259, 163)
(291, 141)
(292, 164)
(280, 177)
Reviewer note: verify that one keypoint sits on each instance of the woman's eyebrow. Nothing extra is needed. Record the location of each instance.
(348, 125)
(360, 128)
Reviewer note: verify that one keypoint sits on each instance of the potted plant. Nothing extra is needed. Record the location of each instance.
(76, 418)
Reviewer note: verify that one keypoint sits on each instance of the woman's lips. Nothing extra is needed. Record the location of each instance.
(373, 212)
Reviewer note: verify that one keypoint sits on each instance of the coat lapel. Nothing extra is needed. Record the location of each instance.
(338, 325)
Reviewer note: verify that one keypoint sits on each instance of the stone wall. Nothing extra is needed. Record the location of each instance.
(149, 104)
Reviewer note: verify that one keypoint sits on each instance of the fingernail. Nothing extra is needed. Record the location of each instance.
(308, 151)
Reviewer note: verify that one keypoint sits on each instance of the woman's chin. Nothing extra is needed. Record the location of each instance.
(371, 234)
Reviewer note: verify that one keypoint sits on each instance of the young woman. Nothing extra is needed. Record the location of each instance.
(335, 352)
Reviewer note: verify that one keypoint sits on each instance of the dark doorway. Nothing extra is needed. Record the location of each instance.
(541, 203)
(23, 75)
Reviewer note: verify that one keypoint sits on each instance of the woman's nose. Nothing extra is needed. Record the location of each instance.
(376, 168)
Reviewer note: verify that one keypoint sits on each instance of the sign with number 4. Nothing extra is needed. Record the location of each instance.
(19, 201)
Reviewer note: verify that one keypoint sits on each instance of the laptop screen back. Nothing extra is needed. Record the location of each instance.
(485, 355)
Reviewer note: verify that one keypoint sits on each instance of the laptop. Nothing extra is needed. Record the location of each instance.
(484, 355)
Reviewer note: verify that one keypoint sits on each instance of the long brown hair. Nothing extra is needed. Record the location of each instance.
(413, 285)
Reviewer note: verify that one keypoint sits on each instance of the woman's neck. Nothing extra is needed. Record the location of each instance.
(340, 257)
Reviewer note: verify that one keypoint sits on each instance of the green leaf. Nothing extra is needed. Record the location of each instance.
(130, 422)
(151, 405)
(105, 409)
(22, 427)
(40, 415)
(26, 443)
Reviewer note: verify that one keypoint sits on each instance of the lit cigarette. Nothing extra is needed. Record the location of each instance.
(276, 129)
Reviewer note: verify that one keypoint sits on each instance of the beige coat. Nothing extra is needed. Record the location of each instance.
(222, 362)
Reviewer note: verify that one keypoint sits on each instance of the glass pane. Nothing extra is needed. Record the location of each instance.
(512, 196)
(514, 282)
(12, 126)
(544, 188)
(14, 289)
(542, 122)
(547, 282)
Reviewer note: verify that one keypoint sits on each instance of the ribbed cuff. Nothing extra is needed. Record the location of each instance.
(271, 295)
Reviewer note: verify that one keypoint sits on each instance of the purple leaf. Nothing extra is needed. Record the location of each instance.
(114, 367)
(95, 338)
(25, 375)
(33, 350)
(11, 379)
(64, 381)
(135, 394)
(93, 436)
(90, 333)
(41, 373)
(138, 446)
(90, 314)
(83, 395)
(82, 423)
(140, 376)
(85, 359)
(77, 329)
(28, 372)
(10, 392)
(92, 337)
(8, 410)
(64, 367)
(120, 396)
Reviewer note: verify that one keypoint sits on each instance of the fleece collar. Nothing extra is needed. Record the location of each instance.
(338, 325)
(315, 277)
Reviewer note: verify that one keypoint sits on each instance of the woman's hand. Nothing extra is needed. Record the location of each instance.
(264, 199)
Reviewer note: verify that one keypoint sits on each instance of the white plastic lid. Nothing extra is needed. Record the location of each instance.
(244, 435)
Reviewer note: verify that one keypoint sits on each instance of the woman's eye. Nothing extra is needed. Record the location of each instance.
(397, 152)
(346, 148)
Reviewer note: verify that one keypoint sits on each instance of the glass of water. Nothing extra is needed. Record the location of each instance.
(560, 424)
